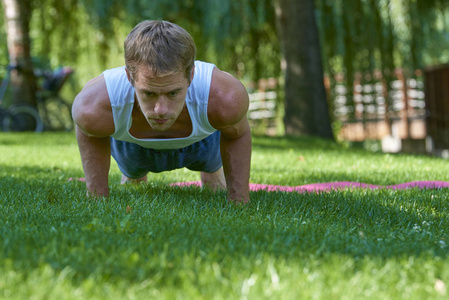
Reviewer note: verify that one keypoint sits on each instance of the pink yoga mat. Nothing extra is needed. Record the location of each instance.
(329, 186)
(325, 186)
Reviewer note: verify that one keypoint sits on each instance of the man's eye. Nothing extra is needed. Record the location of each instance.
(173, 94)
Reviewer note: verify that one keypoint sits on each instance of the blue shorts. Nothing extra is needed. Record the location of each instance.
(135, 161)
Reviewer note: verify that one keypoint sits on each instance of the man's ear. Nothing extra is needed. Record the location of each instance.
(130, 79)
(192, 75)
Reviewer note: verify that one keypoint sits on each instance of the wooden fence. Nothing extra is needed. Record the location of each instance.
(371, 110)
(363, 112)
(411, 109)
(263, 106)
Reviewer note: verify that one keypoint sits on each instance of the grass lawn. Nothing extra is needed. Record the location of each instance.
(158, 242)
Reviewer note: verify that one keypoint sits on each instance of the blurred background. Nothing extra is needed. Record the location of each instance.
(368, 72)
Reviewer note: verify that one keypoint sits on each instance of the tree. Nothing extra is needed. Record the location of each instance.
(306, 108)
(17, 15)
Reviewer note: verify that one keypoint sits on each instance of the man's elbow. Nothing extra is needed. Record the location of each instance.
(243, 131)
(81, 119)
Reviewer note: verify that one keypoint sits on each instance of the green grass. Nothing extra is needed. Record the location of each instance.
(157, 242)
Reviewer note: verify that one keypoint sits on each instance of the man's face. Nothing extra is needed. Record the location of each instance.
(161, 99)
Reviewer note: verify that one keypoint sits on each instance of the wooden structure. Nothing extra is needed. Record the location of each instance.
(373, 110)
(410, 109)
(263, 106)
(437, 104)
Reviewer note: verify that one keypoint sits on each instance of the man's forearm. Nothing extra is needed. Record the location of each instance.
(236, 157)
(96, 158)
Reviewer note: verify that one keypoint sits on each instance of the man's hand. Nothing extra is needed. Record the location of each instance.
(236, 157)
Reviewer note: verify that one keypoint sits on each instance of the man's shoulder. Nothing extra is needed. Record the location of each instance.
(202, 73)
(118, 73)
(92, 110)
(228, 99)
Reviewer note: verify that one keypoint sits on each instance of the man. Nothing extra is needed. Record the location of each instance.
(164, 111)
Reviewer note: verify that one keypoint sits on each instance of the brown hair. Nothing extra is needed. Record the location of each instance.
(163, 46)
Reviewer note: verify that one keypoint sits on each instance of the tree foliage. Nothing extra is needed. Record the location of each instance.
(241, 35)
(408, 33)
(89, 34)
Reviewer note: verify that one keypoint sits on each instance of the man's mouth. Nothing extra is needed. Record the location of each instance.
(160, 121)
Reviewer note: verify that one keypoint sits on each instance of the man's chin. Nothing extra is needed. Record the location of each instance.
(160, 127)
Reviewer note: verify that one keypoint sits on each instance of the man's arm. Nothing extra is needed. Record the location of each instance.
(94, 124)
(96, 158)
(236, 157)
(227, 110)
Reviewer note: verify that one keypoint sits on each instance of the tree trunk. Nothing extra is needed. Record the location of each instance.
(306, 108)
(23, 82)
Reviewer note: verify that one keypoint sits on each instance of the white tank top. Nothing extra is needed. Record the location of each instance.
(121, 95)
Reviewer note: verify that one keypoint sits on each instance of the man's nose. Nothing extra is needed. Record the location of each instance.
(160, 107)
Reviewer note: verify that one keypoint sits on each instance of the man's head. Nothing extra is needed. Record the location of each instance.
(163, 47)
